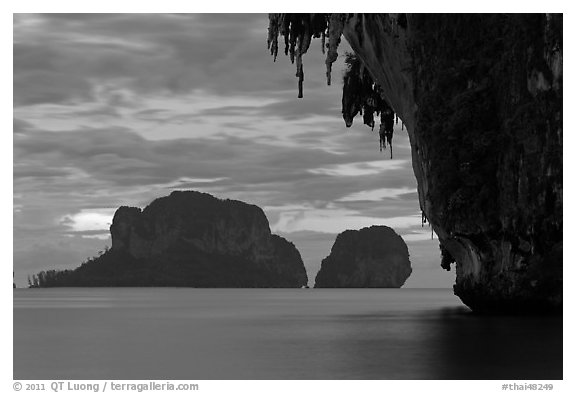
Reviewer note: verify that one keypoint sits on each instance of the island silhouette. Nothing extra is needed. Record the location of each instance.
(188, 239)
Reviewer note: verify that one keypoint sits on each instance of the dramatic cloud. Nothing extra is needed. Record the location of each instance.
(360, 168)
(378, 195)
(114, 110)
(89, 220)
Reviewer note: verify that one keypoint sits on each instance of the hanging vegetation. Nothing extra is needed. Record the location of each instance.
(298, 31)
(360, 93)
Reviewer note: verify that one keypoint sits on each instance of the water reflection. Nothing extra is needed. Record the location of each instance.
(274, 334)
(499, 347)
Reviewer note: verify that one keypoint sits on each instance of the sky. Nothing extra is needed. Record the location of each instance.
(113, 110)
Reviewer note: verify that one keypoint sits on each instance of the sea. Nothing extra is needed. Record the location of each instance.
(271, 334)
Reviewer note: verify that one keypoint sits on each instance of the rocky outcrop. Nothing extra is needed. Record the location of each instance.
(374, 257)
(192, 239)
(481, 96)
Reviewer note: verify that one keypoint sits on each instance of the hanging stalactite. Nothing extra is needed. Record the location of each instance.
(335, 28)
(298, 31)
(360, 93)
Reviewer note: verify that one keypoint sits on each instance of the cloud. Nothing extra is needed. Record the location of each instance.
(119, 157)
(63, 59)
(360, 168)
(78, 174)
(23, 171)
(115, 110)
(37, 87)
(334, 221)
(287, 109)
(91, 233)
(89, 220)
(377, 195)
(188, 182)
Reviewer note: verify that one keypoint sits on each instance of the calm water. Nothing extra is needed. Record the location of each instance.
(172, 333)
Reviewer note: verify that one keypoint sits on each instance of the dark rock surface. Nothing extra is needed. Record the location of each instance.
(191, 239)
(484, 115)
(481, 97)
(374, 257)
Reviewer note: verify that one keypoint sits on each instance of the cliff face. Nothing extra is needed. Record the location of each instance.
(481, 96)
(192, 220)
(374, 257)
(193, 239)
(226, 243)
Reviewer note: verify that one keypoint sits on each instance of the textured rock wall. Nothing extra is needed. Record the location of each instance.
(481, 96)
(374, 257)
(206, 223)
(198, 229)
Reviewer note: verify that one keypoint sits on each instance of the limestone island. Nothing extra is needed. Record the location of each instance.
(189, 239)
(374, 257)
(481, 98)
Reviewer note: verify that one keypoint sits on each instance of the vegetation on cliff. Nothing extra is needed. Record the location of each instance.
(188, 239)
(482, 95)
(360, 95)
(374, 257)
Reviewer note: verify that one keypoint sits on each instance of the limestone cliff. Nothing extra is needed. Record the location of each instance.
(374, 257)
(193, 239)
(481, 97)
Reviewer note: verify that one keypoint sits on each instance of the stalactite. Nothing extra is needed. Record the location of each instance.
(360, 93)
(388, 121)
(382, 137)
(300, 70)
(300, 75)
(298, 31)
(335, 28)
